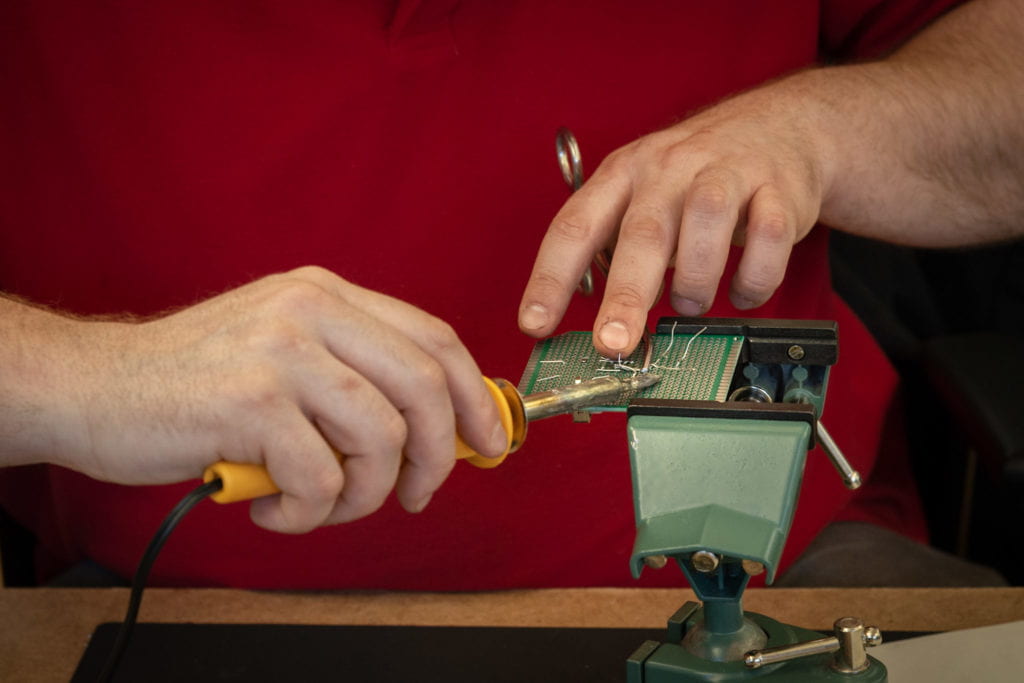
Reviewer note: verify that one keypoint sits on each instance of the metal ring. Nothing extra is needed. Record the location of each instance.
(571, 165)
(569, 160)
(752, 393)
(586, 285)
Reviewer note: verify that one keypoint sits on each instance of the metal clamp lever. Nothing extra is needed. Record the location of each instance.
(851, 477)
(849, 641)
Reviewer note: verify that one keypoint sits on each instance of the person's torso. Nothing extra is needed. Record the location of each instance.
(154, 154)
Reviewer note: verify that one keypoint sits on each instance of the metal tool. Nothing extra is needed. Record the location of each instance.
(245, 481)
(592, 392)
(849, 641)
(571, 164)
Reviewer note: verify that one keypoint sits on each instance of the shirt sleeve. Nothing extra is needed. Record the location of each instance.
(869, 29)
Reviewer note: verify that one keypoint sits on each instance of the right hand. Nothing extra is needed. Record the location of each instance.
(750, 171)
(279, 372)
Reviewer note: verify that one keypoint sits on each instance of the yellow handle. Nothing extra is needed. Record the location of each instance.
(244, 481)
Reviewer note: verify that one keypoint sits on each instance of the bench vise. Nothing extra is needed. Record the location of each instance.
(714, 488)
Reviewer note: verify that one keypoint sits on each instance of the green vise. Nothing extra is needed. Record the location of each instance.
(715, 486)
(707, 482)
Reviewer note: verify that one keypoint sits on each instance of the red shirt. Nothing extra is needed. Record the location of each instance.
(152, 154)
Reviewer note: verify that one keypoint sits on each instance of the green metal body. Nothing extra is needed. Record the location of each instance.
(723, 485)
(669, 662)
(729, 487)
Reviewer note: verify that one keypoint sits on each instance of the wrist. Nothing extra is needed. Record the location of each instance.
(819, 96)
(48, 362)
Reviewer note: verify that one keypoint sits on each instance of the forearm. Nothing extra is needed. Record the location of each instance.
(927, 147)
(38, 395)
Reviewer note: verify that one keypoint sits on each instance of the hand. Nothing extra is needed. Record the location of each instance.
(281, 371)
(748, 171)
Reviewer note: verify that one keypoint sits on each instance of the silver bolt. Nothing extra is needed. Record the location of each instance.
(656, 561)
(752, 567)
(872, 636)
(705, 562)
(853, 636)
(796, 352)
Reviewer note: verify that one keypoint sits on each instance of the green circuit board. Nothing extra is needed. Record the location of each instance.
(697, 367)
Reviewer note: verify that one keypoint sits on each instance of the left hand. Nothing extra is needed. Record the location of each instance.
(750, 171)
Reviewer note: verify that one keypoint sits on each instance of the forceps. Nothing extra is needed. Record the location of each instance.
(571, 164)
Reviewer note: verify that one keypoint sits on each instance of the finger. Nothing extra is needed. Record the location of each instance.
(369, 432)
(768, 241)
(416, 385)
(474, 408)
(344, 320)
(458, 382)
(303, 466)
(419, 363)
(710, 214)
(346, 466)
(645, 244)
(584, 225)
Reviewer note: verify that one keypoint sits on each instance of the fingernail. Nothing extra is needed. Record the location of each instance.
(422, 504)
(687, 306)
(614, 335)
(499, 440)
(534, 317)
(742, 302)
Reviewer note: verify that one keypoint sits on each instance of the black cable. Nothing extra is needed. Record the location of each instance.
(142, 573)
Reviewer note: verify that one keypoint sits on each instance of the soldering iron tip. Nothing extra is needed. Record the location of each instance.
(646, 379)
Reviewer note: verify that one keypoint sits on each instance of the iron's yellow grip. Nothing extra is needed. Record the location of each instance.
(247, 481)
(241, 481)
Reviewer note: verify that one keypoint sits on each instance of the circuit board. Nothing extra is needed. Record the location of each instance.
(696, 367)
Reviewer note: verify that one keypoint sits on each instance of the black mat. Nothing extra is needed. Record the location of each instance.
(381, 654)
(387, 654)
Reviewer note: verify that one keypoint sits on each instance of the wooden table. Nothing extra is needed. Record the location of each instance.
(43, 631)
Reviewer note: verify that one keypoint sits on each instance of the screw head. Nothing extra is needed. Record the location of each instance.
(752, 567)
(705, 562)
(656, 561)
(796, 352)
(872, 636)
(849, 623)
